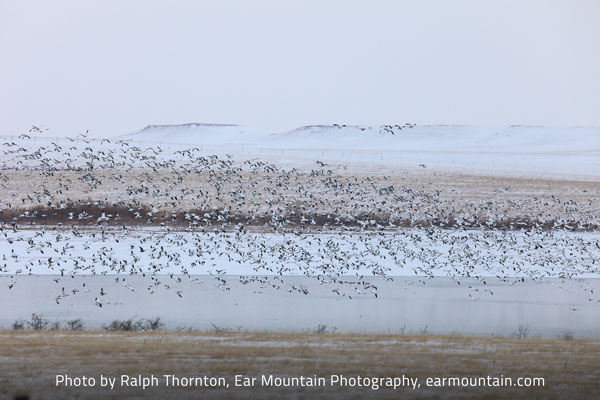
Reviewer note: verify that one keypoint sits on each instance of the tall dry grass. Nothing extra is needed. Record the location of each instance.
(31, 360)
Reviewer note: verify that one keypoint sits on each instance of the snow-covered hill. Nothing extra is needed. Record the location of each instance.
(525, 150)
(567, 152)
(198, 133)
(461, 138)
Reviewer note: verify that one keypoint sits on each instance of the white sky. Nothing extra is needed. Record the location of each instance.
(115, 66)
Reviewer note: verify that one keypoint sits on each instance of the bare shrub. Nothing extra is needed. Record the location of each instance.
(126, 325)
(522, 332)
(185, 329)
(75, 324)
(38, 322)
(566, 335)
(131, 325)
(18, 325)
(149, 324)
(221, 329)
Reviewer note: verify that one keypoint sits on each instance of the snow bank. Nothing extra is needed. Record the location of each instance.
(451, 138)
(533, 151)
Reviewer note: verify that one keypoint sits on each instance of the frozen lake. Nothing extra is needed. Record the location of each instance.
(438, 305)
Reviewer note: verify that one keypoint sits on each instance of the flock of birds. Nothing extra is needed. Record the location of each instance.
(384, 129)
(343, 260)
(171, 213)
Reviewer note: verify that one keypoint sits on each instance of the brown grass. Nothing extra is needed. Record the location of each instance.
(31, 360)
(276, 200)
(140, 215)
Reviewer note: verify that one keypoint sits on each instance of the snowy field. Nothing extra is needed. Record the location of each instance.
(446, 228)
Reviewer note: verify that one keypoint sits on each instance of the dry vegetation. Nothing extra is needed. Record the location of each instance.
(311, 200)
(31, 360)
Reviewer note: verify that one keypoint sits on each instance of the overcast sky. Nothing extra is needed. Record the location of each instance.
(115, 66)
